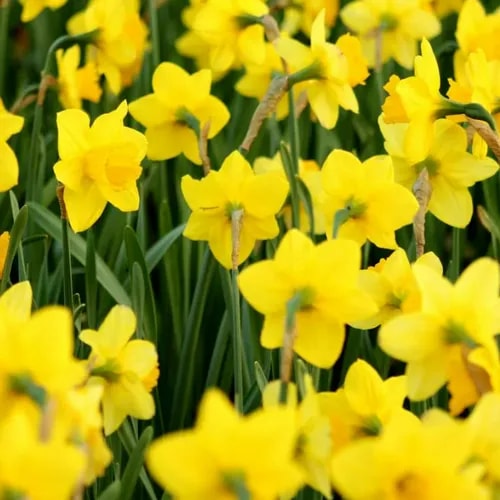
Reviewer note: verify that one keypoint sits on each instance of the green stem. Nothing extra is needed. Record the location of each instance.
(68, 278)
(237, 341)
(4, 31)
(155, 33)
(456, 255)
(287, 161)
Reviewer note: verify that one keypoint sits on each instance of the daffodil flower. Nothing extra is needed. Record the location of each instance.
(214, 198)
(10, 124)
(126, 369)
(322, 279)
(99, 164)
(177, 110)
(32, 8)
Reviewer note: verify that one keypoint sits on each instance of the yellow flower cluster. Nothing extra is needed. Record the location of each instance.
(51, 421)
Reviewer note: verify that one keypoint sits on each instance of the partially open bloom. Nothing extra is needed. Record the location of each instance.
(99, 164)
(32, 8)
(126, 369)
(322, 280)
(177, 110)
(364, 406)
(362, 201)
(235, 187)
(10, 124)
(392, 285)
(121, 39)
(233, 455)
(455, 324)
(331, 72)
(452, 170)
(389, 28)
(74, 83)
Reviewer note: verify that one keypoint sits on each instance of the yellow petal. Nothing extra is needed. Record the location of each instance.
(293, 52)
(115, 331)
(449, 203)
(140, 357)
(17, 299)
(84, 206)
(149, 110)
(73, 130)
(426, 377)
(10, 168)
(264, 195)
(324, 102)
(318, 35)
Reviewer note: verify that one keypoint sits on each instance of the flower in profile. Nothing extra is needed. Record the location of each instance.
(393, 287)
(322, 281)
(330, 73)
(313, 446)
(75, 84)
(231, 32)
(421, 101)
(310, 175)
(10, 124)
(177, 110)
(32, 8)
(452, 170)
(235, 187)
(456, 323)
(235, 456)
(4, 246)
(364, 406)
(410, 460)
(121, 39)
(126, 369)
(390, 29)
(362, 201)
(99, 164)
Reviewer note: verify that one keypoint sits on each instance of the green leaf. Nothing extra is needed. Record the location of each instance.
(148, 312)
(135, 465)
(91, 281)
(161, 247)
(14, 206)
(112, 492)
(51, 224)
(16, 235)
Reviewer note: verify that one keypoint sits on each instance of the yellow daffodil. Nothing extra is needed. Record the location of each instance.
(4, 246)
(255, 82)
(120, 41)
(389, 28)
(364, 406)
(10, 124)
(478, 30)
(235, 187)
(126, 369)
(36, 355)
(452, 170)
(32, 8)
(74, 83)
(455, 322)
(331, 72)
(231, 32)
(98, 164)
(362, 200)
(300, 15)
(310, 174)
(234, 456)
(313, 441)
(36, 469)
(177, 110)
(445, 7)
(393, 287)
(410, 460)
(322, 279)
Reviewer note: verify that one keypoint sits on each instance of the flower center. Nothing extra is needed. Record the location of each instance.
(109, 371)
(303, 299)
(388, 22)
(232, 207)
(431, 164)
(235, 482)
(184, 117)
(455, 333)
(23, 384)
(372, 426)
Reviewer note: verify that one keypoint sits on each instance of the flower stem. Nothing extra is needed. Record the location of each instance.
(155, 33)
(68, 277)
(237, 341)
(456, 255)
